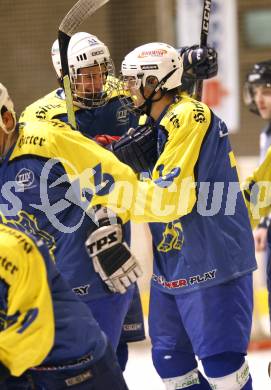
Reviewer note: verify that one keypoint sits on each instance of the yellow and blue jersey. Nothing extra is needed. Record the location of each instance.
(26, 310)
(111, 119)
(194, 149)
(212, 241)
(41, 320)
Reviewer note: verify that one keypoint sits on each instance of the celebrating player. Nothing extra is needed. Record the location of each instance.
(100, 115)
(203, 261)
(46, 333)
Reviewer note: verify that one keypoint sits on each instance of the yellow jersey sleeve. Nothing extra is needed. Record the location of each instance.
(257, 191)
(28, 333)
(112, 183)
(186, 125)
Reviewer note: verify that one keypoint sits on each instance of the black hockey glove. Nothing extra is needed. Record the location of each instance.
(137, 148)
(111, 256)
(199, 63)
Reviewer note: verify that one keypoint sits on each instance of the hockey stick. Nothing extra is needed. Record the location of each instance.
(203, 39)
(77, 15)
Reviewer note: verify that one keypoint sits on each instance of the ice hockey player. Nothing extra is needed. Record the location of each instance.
(203, 261)
(47, 334)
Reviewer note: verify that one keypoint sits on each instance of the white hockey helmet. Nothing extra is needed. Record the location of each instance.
(55, 54)
(86, 51)
(5, 101)
(154, 59)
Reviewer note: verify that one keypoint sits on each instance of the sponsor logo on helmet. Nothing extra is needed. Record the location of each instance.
(92, 41)
(97, 53)
(152, 53)
(149, 67)
(253, 77)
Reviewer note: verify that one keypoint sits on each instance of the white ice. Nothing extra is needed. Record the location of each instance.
(140, 374)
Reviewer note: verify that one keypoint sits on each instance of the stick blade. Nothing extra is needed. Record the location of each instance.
(78, 14)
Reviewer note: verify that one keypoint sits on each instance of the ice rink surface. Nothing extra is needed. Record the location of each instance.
(140, 374)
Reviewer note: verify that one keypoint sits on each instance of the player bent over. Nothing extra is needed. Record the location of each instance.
(46, 333)
(201, 292)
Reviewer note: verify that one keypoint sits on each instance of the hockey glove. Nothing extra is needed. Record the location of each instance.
(111, 256)
(137, 148)
(199, 63)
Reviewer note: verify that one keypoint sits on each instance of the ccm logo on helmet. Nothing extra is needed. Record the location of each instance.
(97, 53)
(104, 241)
(152, 53)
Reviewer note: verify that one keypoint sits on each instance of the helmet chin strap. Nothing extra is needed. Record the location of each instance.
(147, 105)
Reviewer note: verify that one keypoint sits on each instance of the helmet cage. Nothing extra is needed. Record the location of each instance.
(87, 51)
(83, 85)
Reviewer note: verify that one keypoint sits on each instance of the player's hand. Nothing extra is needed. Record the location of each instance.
(199, 63)
(111, 256)
(137, 148)
(260, 238)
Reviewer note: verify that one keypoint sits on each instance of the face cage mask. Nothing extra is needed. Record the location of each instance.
(145, 108)
(84, 93)
(248, 95)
